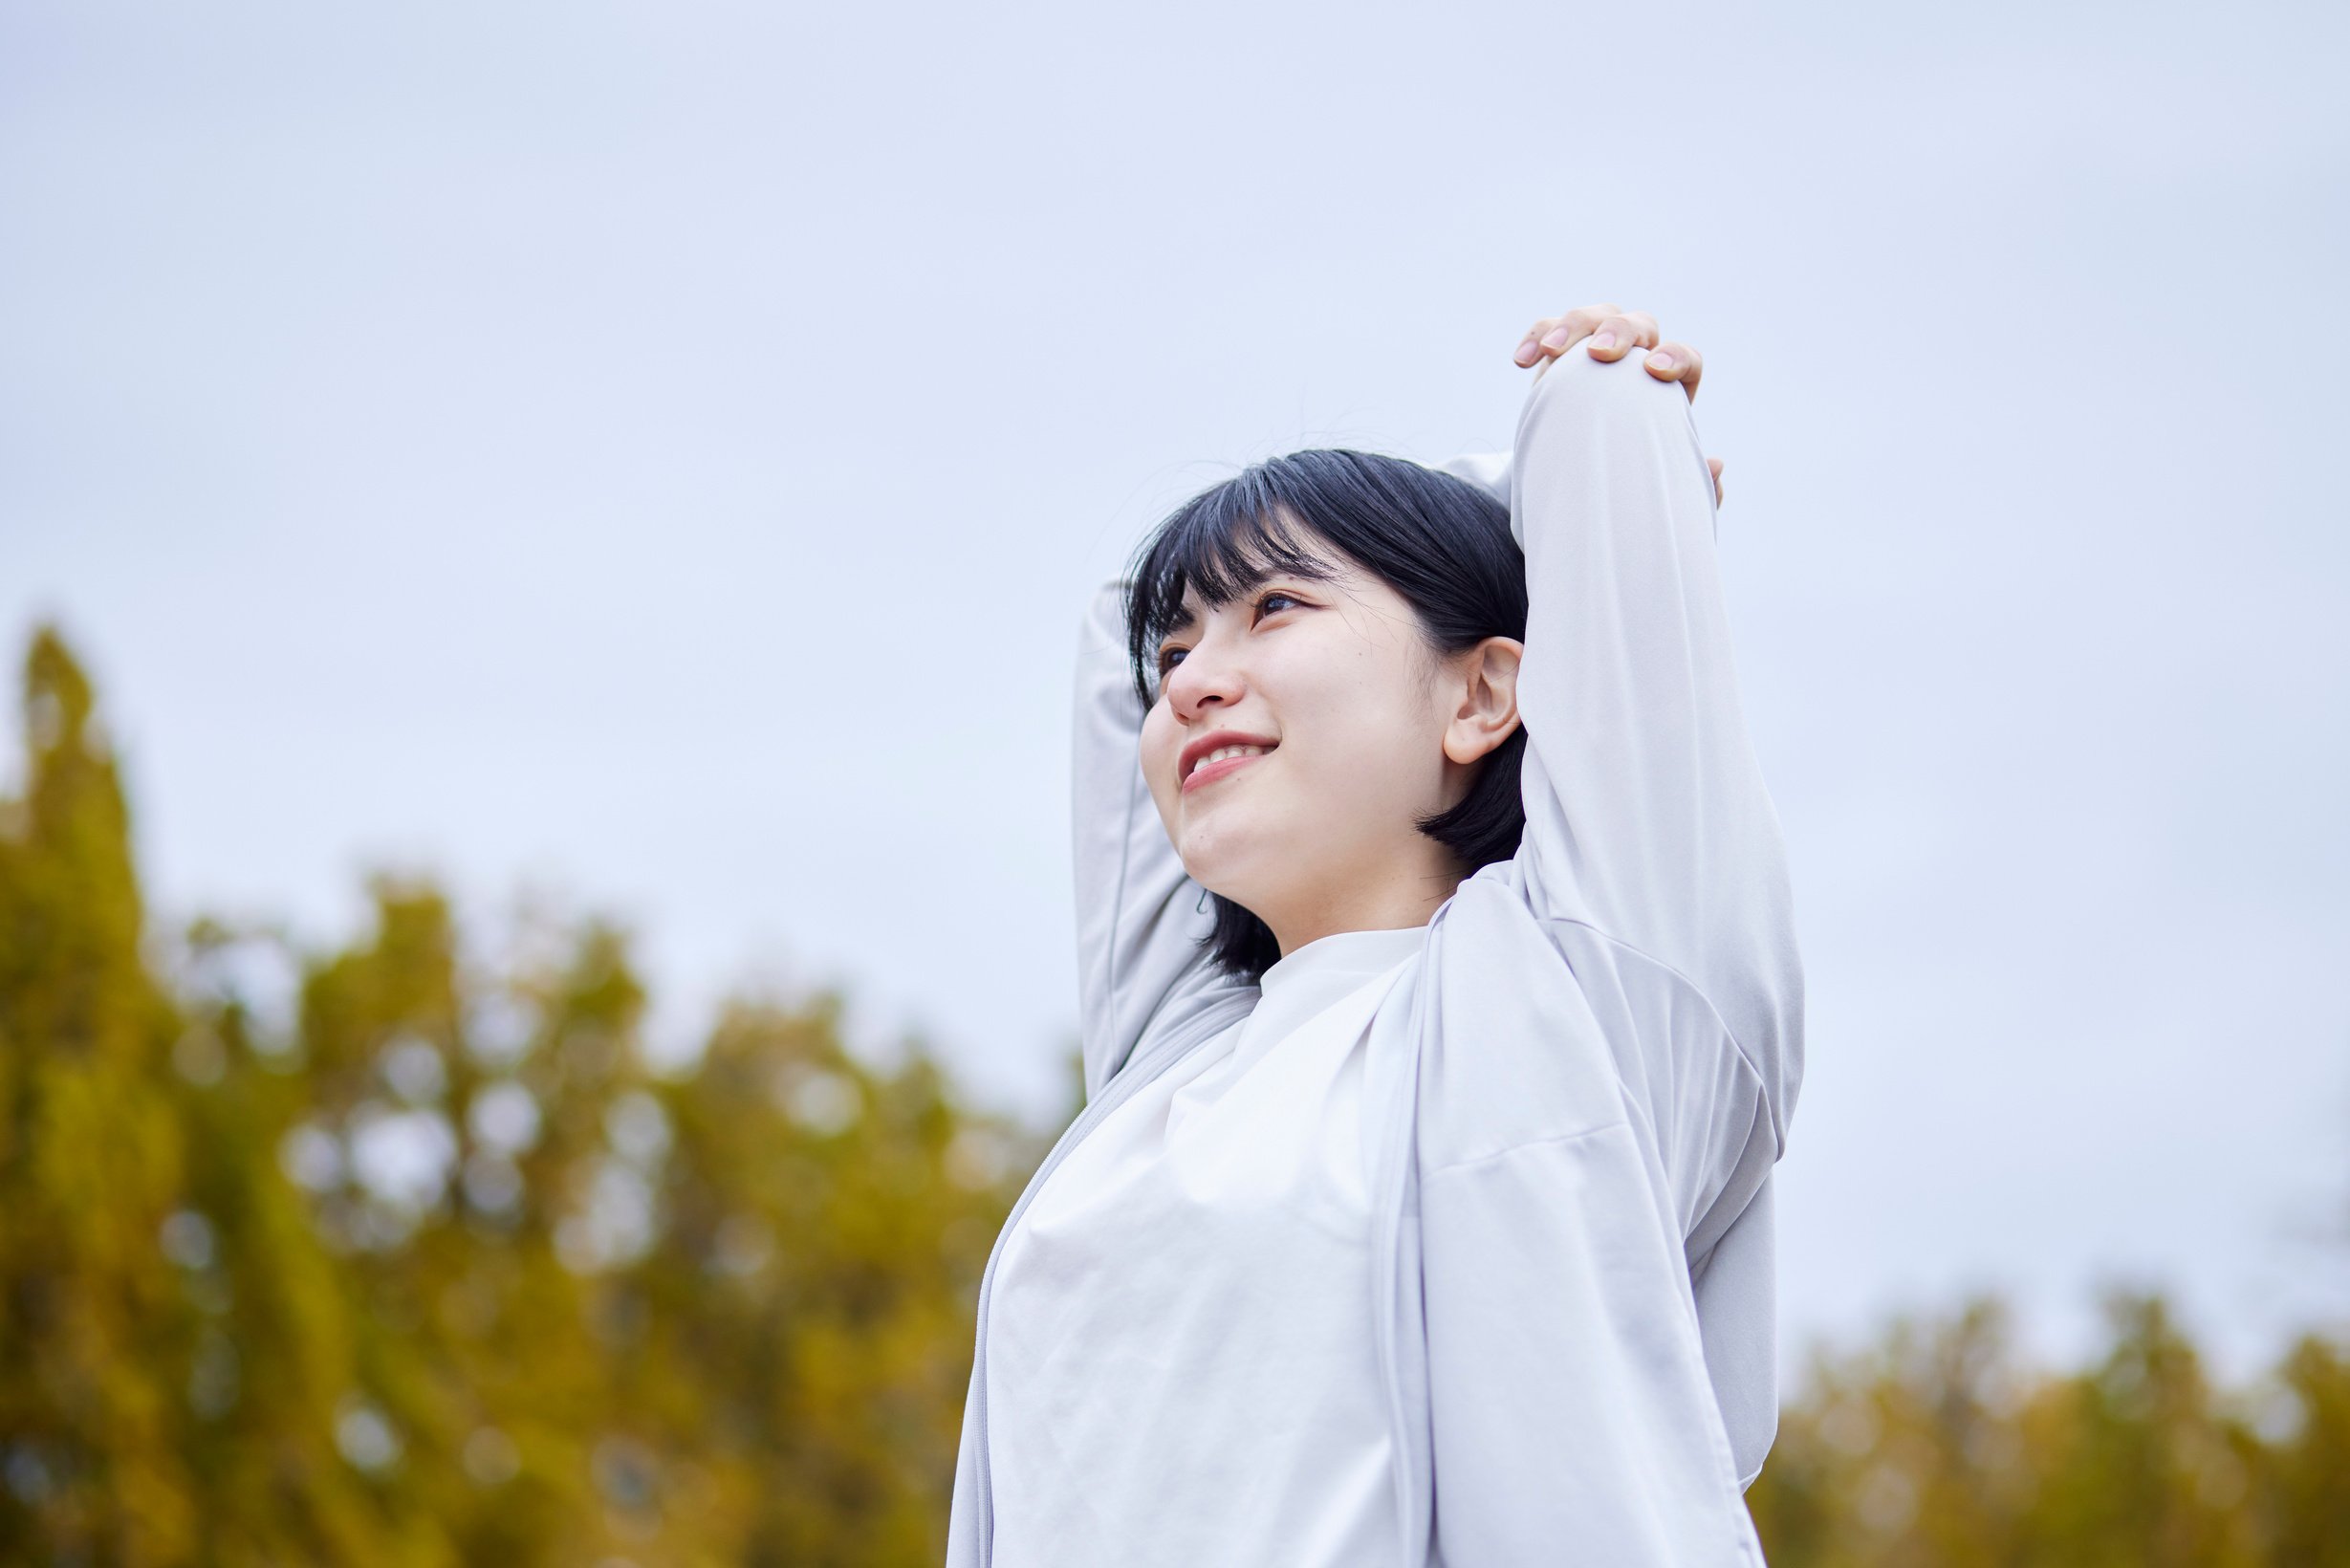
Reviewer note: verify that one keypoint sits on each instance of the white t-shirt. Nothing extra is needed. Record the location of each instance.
(1181, 1366)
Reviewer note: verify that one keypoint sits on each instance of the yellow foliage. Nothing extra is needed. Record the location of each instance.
(438, 1271)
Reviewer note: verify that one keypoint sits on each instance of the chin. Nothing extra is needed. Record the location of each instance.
(1244, 867)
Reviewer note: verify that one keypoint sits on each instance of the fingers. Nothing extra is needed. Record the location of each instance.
(1674, 362)
(1620, 335)
(1575, 326)
(1714, 467)
(1613, 334)
(1530, 347)
(1554, 335)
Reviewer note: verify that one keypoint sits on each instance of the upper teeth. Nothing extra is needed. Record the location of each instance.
(1223, 752)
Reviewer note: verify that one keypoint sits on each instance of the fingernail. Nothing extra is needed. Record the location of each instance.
(1526, 351)
(1606, 339)
(1556, 337)
(1658, 359)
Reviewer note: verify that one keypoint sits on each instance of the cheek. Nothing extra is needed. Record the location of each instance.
(1162, 745)
(1372, 741)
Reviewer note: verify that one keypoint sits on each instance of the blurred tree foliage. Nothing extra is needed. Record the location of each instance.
(434, 1267)
(436, 1270)
(1940, 1447)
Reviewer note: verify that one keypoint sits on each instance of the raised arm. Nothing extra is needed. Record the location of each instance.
(1140, 919)
(1646, 819)
(1651, 848)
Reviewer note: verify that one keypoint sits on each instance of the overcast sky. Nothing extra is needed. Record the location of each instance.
(659, 452)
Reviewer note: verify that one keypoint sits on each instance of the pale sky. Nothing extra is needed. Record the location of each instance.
(659, 452)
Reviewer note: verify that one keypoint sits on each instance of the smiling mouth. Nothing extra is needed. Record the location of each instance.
(1221, 762)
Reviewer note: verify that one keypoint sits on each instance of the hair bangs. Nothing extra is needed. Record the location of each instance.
(1219, 545)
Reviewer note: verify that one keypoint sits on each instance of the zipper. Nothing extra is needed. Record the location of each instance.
(1121, 1087)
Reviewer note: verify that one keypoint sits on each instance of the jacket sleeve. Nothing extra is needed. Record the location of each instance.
(1651, 852)
(1646, 819)
(1141, 921)
(1573, 1409)
(1569, 1408)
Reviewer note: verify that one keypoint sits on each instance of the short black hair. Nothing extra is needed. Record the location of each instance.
(1441, 543)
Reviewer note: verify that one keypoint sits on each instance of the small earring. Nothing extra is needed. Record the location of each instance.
(1201, 907)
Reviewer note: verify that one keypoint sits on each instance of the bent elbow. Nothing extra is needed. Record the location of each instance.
(1579, 394)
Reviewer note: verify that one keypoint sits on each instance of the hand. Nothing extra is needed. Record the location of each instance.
(1614, 334)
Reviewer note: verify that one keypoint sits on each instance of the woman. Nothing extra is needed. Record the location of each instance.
(1442, 1019)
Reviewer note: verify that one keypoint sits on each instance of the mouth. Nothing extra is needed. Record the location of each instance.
(1220, 755)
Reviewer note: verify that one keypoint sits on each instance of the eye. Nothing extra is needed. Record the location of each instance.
(1168, 658)
(1273, 603)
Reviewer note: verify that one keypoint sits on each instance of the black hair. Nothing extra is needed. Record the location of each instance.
(1441, 543)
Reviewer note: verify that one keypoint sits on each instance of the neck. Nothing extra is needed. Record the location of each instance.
(1406, 894)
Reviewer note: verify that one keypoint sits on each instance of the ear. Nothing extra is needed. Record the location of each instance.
(1486, 685)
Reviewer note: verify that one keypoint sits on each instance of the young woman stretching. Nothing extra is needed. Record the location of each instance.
(1442, 1021)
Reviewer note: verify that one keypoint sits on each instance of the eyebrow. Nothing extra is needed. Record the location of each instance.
(1314, 571)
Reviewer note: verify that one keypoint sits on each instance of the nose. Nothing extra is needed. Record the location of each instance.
(1205, 680)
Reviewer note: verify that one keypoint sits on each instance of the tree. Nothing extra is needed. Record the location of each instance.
(443, 1270)
(1941, 1447)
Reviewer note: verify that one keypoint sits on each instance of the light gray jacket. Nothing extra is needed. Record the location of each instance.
(1574, 1101)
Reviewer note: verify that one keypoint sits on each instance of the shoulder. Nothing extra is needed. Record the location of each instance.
(1538, 1028)
(1510, 1049)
